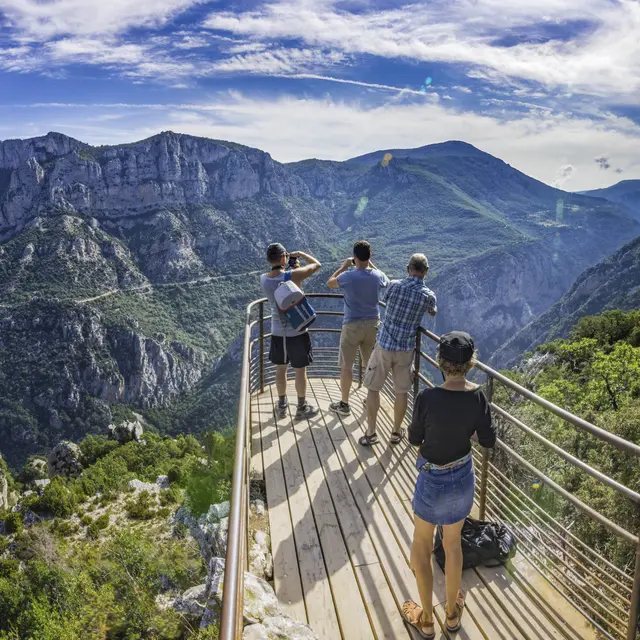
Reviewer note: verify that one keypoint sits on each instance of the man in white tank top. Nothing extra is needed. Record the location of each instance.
(288, 346)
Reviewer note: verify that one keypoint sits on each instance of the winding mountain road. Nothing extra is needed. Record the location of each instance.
(149, 287)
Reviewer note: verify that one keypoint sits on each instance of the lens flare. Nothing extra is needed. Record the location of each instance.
(428, 81)
(422, 90)
(536, 485)
(386, 159)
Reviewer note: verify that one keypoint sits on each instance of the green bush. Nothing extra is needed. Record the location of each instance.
(12, 522)
(142, 506)
(169, 496)
(207, 485)
(85, 521)
(58, 499)
(64, 528)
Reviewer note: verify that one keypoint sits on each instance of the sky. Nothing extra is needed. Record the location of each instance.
(550, 86)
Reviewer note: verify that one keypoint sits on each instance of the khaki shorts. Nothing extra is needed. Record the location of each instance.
(358, 334)
(399, 363)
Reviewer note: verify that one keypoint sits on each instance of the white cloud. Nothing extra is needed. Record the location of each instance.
(599, 61)
(279, 61)
(536, 144)
(37, 20)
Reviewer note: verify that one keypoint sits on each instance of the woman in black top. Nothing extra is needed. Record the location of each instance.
(445, 419)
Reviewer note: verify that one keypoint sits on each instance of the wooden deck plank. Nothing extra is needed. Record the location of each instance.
(286, 575)
(399, 577)
(357, 504)
(381, 605)
(318, 598)
(352, 614)
(509, 594)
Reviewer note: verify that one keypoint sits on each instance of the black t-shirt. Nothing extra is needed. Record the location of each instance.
(444, 421)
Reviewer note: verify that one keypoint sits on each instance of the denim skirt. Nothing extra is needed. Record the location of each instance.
(444, 496)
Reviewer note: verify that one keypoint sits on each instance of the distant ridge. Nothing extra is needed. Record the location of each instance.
(626, 192)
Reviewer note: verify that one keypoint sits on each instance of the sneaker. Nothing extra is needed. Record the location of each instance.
(281, 410)
(340, 408)
(306, 411)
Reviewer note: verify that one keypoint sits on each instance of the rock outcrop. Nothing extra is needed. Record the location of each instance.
(209, 530)
(613, 283)
(165, 170)
(65, 460)
(126, 431)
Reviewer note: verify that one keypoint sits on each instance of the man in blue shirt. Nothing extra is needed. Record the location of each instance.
(406, 303)
(361, 286)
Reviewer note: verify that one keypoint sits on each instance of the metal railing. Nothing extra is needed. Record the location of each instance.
(604, 593)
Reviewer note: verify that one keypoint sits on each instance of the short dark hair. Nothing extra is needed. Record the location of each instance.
(362, 250)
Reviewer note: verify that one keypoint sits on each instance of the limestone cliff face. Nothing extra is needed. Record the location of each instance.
(168, 169)
(495, 295)
(613, 283)
(62, 358)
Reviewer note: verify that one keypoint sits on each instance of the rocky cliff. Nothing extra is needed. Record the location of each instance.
(141, 258)
(57, 172)
(613, 283)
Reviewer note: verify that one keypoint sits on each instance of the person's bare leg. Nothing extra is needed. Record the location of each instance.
(399, 410)
(281, 379)
(421, 550)
(301, 383)
(346, 380)
(373, 406)
(452, 543)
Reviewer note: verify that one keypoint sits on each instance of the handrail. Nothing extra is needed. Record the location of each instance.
(233, 590)
(254, 374)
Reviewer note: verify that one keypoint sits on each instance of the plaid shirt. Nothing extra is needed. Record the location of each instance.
(407, 301)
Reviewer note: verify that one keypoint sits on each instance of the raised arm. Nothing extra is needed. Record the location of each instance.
(332, 282)
(302, 273)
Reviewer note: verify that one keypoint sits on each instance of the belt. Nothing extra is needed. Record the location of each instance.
(428, 466)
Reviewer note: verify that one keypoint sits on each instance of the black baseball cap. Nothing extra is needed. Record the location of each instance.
(457, 346)
(275, 250)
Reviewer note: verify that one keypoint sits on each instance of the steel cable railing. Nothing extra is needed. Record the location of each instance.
(604, 593)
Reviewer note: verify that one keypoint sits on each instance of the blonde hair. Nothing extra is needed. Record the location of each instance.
(448, 367)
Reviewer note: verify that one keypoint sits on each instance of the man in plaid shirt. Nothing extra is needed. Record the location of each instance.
(407, 301)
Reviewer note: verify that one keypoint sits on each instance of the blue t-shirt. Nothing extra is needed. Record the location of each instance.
(361, 293)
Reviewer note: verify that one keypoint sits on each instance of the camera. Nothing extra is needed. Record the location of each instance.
(293, 262)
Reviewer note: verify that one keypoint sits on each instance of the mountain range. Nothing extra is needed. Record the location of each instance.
(626, 192)
(124, 270)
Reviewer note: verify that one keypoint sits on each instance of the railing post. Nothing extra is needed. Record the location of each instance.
(416, 366)
(261, 348)
(634, 612)
(484, 469)
(360, 367)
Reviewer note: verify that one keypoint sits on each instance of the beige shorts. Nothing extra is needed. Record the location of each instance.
(358, 334)
(399, 363)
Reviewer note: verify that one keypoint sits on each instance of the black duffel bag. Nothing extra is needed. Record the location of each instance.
(486, 543)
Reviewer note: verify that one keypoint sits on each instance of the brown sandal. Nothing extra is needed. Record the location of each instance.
(457, 615)
(412, 614)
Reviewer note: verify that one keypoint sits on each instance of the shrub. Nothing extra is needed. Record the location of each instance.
(58, 499)
(141, 507)
(12, 522)
(169, 496)
(86, 520)
(64, 528)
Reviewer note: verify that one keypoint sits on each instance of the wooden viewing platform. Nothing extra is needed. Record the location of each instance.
(341, 528)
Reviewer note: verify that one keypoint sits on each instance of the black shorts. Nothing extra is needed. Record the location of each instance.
(299, 351)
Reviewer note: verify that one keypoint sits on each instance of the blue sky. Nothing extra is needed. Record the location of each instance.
(551, 86)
